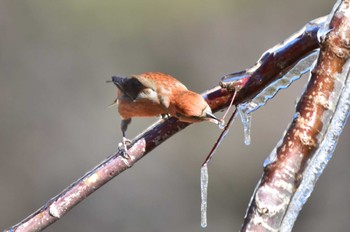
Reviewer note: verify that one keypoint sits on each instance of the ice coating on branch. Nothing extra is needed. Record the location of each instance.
(273, 155)
(204, 194)
(325, 151)
(319, 22)
(246, 119)
(302, 67)
(324, 27)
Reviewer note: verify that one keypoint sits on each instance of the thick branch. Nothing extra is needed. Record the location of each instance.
(283, 175)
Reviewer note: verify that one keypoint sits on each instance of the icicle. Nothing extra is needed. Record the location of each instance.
(204, 170)
(246, 119)
(204, 194)
(302, 67)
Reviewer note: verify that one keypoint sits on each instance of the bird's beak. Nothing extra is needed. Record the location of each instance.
(213, 118)
(118, 80)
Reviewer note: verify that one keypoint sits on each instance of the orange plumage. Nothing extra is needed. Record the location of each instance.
(153, 94)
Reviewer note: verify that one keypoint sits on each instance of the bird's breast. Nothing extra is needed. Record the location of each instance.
(140, 108)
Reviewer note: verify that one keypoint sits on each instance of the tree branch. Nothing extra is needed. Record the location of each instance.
(285, 171)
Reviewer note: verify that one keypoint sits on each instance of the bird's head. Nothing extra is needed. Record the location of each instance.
(191, 107)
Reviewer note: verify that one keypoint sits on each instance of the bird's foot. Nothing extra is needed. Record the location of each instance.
(165, 116)
(123, 146)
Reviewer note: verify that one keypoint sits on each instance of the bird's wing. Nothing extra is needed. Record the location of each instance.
(163, 86)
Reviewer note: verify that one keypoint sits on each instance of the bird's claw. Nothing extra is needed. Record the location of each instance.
(165, 116)
(123, 147)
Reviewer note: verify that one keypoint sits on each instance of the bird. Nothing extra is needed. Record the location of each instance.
(157, 94)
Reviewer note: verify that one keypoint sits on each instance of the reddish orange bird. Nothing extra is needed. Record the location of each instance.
(153, 94)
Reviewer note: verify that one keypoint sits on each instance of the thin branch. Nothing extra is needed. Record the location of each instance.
(314, 112)
(248, 84)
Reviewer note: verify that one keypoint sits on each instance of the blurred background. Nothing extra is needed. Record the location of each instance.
(55, 58)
